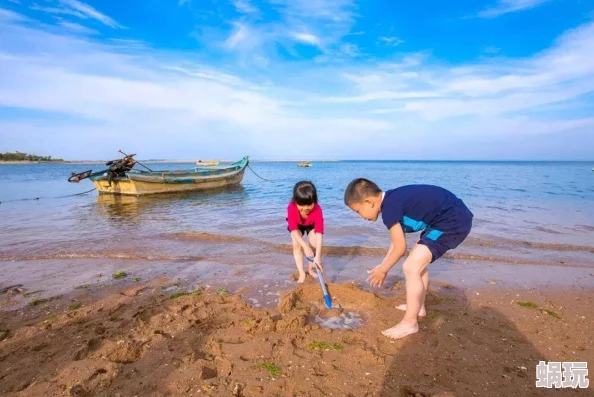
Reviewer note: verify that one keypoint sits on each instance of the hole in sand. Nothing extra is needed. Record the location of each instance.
(335, 319)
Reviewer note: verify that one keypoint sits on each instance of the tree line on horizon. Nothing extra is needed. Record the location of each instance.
(18, 156)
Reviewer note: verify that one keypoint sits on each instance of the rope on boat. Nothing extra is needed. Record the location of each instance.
(267, 180)
(37, 198)
(76, 194)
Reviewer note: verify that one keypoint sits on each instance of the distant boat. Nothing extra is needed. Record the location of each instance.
(304, 164)
(120, 178)
(207, 163)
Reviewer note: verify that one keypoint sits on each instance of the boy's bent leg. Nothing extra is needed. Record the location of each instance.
(423, 311)
(298, 255)
(414, 265)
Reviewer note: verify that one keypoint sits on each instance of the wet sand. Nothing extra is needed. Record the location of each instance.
(266, 268)
(162, 337)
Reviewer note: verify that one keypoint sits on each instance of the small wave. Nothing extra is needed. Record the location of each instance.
(230, 258)
(501, 242)
(236, 245)
(212, 237)
(587, 228)
(359, 250)
(101, 255)
(513, 261)
(546, 230)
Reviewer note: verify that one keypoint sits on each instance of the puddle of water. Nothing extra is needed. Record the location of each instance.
(346, 320)
(254, 302)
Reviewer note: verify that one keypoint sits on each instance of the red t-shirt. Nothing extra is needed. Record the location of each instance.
(315, 217)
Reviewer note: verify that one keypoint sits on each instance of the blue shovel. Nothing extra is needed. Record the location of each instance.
(327, 298)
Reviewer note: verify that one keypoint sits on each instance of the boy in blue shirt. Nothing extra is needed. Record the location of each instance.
(444, 220)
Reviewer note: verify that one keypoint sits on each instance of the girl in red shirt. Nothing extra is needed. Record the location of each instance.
(304, 216)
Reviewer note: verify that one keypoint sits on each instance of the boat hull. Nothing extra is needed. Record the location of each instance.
(146, 183)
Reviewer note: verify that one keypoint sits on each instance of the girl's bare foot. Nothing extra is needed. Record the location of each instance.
(312, 273)
(422, 312)
(301, 277)
(401, 330)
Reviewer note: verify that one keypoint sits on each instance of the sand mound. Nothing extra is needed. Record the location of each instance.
(346, 296)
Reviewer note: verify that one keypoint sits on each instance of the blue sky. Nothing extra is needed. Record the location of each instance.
(295, 79)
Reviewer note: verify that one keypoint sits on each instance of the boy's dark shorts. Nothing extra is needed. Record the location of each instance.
(448, 232)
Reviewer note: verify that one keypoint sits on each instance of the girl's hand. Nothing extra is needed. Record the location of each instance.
(308, 252)
(318, 261)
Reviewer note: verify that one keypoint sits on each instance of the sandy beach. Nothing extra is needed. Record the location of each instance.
(162, 338)
(209, 305)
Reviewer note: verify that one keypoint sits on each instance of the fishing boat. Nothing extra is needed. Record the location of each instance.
(304, 164)
(121, 179)
(207, 163)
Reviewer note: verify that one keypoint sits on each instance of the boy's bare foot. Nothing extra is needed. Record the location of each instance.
(422, 312)
(312, 273)
(401, 330)
(301, 278)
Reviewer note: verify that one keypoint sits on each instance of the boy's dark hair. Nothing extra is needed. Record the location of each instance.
(359, 189)
(304, 193)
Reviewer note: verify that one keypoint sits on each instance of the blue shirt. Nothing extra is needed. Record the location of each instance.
(428, 208)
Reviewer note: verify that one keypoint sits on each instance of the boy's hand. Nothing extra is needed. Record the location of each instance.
(308, 252)
(377, 276)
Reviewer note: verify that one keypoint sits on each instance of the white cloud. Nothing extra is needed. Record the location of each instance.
(79, 10)
(244, 7)
(58, 11)
(168, 104)
(508, 6)
(562, 73)
(10, 16)
(241, 35)
(307, 38)
(391, 40)
(77, 28)
(331, 20)
(380, 96)
(151, 99)
(350, 50)
(209, 74)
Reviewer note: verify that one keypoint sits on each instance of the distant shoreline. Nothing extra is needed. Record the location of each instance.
(31, 162)
(160, 161)
(102, 162)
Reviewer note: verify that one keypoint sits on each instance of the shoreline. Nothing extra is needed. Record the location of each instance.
(298, 161)
(93, 162)
(165, 337)
(31, 162)
(238, 259)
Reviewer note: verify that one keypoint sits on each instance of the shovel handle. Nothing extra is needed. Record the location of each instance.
(322, 283)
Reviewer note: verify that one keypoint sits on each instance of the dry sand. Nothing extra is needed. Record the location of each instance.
(145, 341)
